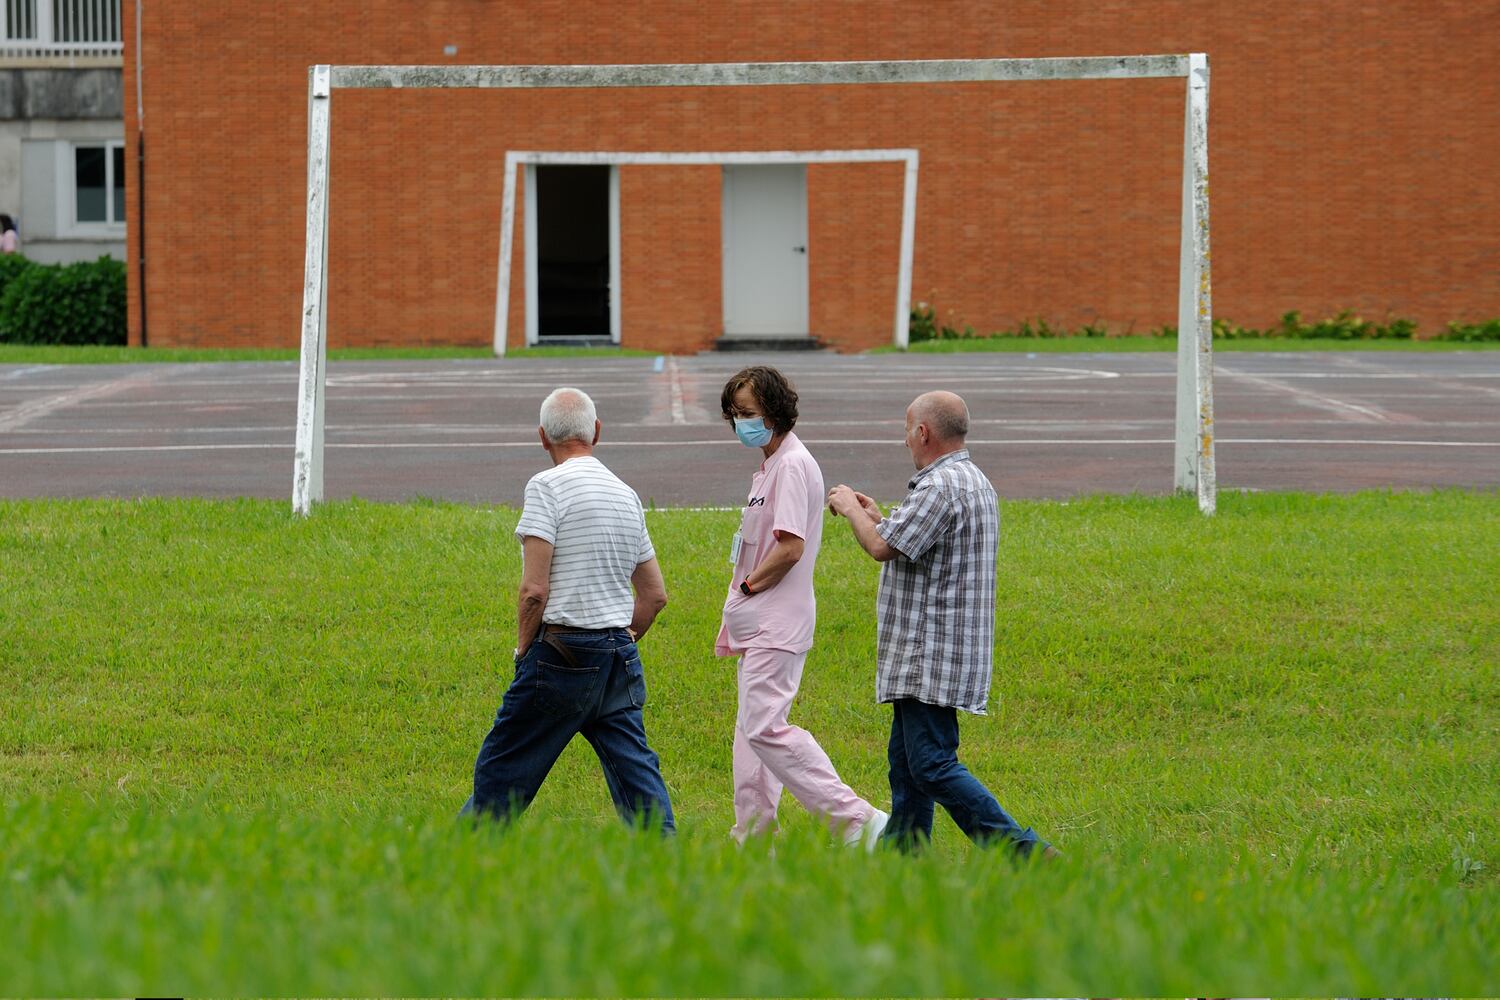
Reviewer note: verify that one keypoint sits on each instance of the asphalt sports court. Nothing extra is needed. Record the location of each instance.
(1044, 425)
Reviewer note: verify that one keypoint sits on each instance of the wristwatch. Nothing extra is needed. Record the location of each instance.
(745, 587)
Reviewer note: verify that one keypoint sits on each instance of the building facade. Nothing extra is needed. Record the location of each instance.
(62, 149)
(1352, 157)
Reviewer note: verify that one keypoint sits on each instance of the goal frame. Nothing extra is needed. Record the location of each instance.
(1193, 455)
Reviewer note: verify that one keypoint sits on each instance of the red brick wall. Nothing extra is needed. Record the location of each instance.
(1353, 155)
(671, 299)
(854, 246)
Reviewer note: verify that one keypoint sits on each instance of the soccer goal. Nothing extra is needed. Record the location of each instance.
(1193, 458)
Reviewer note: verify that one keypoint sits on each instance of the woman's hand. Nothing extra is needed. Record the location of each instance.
(777, 563)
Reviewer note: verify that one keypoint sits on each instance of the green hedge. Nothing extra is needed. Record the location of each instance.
(81, 303)
(12, 264)
(1471, 332)
(1344, 326)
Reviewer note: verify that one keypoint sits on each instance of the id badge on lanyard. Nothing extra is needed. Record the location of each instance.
(734, 548)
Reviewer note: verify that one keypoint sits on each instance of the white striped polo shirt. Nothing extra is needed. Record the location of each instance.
(598, 534)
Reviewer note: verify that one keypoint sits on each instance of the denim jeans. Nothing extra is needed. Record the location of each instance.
(925, 770)
(600, 695)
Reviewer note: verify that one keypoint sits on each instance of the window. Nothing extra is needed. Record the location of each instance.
(99, 184)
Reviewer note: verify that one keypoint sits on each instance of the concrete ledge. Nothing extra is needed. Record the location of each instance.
(9, 60)
(573, 340)
(769, 344)
(62, 94)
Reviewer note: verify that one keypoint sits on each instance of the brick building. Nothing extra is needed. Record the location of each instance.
(1354, 159)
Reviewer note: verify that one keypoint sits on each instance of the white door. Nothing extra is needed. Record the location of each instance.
(765, 251)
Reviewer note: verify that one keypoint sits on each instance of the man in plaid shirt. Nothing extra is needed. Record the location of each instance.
(935, 618)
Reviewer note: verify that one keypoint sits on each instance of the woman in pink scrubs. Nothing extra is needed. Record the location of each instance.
(10, 240)
(769, 616)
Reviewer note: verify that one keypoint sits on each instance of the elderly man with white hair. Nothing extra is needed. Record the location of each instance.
(578, 670)
(935, 619)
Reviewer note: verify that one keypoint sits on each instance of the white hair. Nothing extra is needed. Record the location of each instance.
(568, 415)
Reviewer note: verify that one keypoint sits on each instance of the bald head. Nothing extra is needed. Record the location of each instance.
(945, 414)
(568, 415)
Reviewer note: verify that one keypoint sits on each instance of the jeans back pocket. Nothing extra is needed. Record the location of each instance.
(567, 689)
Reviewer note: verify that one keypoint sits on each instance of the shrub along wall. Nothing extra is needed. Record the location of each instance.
(925, 325)
(81, 303)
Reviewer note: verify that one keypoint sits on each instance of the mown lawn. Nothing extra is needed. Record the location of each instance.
(233, 743)
(1147, 345)
(57, 354)
(25, 354)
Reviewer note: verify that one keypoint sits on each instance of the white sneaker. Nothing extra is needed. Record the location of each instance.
(867, 835)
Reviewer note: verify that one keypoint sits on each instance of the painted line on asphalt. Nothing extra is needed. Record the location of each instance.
(1359, 442)
(674, 378)
(35, 409)
(1365, 414)
(891, 443)
(23, 372)
(529, 430)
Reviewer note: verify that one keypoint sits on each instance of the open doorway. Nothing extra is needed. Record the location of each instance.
(573, 252)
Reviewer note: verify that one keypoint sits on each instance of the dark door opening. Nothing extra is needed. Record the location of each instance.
(572, 237)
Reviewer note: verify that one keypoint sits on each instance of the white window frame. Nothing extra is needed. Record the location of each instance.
(68, 223)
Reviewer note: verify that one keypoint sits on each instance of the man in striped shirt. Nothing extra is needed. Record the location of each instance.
(935, 616)
(578, 670)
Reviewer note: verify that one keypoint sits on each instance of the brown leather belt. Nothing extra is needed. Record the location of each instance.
(561, 648)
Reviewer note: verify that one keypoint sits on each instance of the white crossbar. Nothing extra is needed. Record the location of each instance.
(763, 74)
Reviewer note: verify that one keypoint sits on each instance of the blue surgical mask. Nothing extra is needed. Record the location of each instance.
(752, 431)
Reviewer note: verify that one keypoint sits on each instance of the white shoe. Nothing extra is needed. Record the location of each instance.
(867, 835)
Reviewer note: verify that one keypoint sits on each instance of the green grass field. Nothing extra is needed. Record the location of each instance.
(25, 354)
(233, 744)
(30, 354)
(1152, 345)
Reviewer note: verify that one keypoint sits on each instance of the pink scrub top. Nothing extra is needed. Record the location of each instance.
(786, 496)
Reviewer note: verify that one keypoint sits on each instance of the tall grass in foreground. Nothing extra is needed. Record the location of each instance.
(140, 901)
(233, 742)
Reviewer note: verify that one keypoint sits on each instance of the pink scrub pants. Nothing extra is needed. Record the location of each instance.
(770, 753)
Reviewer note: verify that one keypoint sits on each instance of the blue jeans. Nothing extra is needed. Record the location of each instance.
(925, 770)
(600, 695)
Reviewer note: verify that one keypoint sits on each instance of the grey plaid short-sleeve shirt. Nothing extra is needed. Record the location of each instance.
(935, 611)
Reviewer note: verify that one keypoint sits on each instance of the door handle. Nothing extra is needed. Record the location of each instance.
(800, 249)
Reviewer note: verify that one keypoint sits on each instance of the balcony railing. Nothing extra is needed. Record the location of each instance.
(61, 29)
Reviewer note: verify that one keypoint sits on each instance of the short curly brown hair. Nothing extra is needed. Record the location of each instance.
(771, 389)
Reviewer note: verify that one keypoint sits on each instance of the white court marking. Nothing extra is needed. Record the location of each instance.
(883, 442)
(674, 378)
(23, 372)
(677, 381)
(34, 409)
(347, 396)
(529, 430)
(1355, 411)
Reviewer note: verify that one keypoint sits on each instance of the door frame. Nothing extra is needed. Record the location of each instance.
(531, 158)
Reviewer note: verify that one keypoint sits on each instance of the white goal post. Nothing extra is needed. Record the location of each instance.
(1193, 459)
